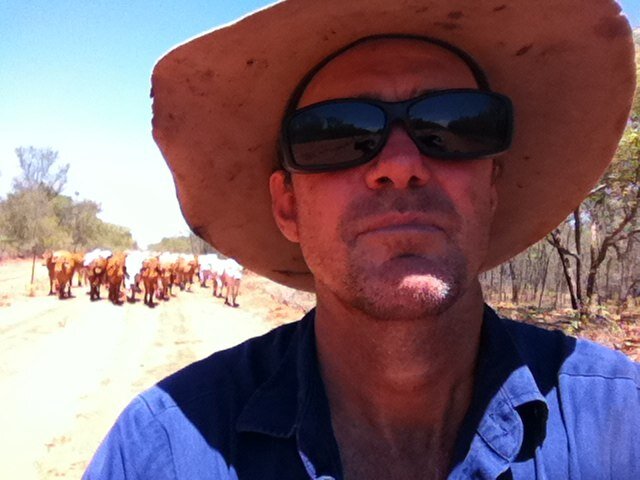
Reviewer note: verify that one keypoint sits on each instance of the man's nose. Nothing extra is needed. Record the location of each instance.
(399, 164)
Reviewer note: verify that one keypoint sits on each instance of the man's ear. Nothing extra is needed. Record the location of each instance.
(283, 204)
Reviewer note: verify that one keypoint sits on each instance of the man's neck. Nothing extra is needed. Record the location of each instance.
(399, 381)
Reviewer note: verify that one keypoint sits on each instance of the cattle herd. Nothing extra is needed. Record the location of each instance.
(125, 274)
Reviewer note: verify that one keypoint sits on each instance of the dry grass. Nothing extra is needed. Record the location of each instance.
(610, 326)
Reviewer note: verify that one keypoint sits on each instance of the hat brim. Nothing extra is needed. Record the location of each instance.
(219, 100)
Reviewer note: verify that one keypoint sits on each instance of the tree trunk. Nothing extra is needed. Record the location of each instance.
(598, 254)
(622, 292)
(607, 275)
(492, 282)
(578, 257)
(544, 281)
(558, 287)
(563, 253)
(515, 287)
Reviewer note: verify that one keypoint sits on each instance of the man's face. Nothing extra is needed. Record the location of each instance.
(403, 235)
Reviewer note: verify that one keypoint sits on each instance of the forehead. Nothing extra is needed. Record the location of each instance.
(388, 69)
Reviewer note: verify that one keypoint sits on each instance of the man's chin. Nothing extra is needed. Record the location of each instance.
(413, 297)
(407, 286)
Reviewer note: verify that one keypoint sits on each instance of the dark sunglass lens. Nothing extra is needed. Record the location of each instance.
(335, 134)
(467, 124)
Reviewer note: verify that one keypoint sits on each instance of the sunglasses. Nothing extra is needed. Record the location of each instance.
(454, 124)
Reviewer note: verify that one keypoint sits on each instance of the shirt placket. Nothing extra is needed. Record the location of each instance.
(316, 442)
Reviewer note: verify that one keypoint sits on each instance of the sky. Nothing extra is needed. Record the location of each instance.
(74, 77)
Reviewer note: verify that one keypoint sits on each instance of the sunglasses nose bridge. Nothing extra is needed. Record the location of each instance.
(397, 114)
(398, 163)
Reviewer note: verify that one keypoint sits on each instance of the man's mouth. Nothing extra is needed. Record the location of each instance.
(401, 223)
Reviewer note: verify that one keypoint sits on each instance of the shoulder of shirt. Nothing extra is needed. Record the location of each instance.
(547, 351)
(229, 376)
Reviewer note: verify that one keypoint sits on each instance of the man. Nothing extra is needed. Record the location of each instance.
(396, 176)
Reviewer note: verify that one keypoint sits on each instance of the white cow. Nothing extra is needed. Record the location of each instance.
(94, 254)
(207, 262)
(133, 266)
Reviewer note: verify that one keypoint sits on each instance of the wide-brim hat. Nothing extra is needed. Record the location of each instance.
(567, 65)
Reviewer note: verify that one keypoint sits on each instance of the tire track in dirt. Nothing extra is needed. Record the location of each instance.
(151, 344)
(53, 361)
(33, 321)
(129, 336)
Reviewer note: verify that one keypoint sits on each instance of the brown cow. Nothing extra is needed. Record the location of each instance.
(63, 272)
(96, 275)
(150, 275)
(79, 268)
(193, 271)
(167, 278)
(179, 269)
(185, 268)
(115, 276)
(47, 257)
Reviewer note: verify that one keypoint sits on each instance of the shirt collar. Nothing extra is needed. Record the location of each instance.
(293, 402)
(277, 406)
(508, 413)
(508, 410)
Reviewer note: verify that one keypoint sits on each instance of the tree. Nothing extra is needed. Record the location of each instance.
(28, 220)
(35, 216)
(614, 208)
(607, 223)
(554, 238)
(80, 219)
(172, 244)
(29, 223)
(597, 246)
(608, 218)
(183, 244)
(37, 165)
(115, 237)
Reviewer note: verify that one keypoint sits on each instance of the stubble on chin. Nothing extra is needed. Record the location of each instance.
(386, 294)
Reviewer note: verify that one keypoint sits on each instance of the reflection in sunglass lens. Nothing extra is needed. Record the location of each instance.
(466, 124)
(335, 133)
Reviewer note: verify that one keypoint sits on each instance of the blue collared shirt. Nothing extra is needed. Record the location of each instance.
(545, 406)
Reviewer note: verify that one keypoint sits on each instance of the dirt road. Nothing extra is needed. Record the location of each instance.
(67, 368)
